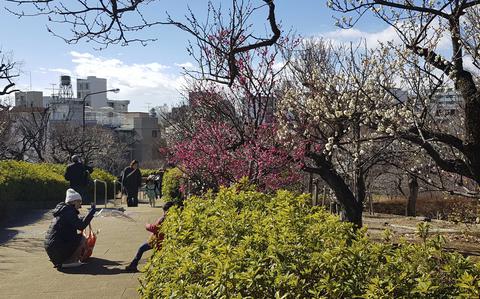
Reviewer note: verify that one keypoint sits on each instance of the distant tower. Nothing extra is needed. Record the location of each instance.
(65, 91)
(152, 112)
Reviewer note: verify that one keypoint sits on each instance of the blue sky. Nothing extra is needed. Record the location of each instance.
(148, 76)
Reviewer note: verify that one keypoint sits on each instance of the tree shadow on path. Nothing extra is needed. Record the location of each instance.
(9, 227)
(96, 266)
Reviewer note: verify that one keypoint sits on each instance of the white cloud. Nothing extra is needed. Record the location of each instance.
(41, 70)
(61, 71)
(81, 55)
(372, 39)
(139, 83)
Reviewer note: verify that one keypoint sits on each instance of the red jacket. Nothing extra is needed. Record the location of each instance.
(156, 238)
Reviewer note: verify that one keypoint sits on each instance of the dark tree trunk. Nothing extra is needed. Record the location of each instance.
(352, 207)
(310, 183)
(39, 152)
(360, 193)
(465, 85)
(467, 88)
(412, 196)
(469, 165)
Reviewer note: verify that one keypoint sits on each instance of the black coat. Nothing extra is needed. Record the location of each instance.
(131, 179)
(62, 238)
(158, 184)
(77, 174)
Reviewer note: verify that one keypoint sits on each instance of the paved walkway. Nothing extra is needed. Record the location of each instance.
(26, 272)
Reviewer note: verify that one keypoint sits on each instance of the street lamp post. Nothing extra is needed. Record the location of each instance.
(115, 90)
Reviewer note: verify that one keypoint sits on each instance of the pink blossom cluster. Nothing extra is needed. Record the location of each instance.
(218, 155)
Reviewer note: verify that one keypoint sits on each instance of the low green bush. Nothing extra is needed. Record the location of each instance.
(35, 182)
(171, 184)
(146, 172)
(245, 244)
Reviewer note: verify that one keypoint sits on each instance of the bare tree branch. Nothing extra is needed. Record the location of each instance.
(8, 71)
(117, 22)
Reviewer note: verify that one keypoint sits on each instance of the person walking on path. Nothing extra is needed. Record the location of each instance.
(131, 181)
(158, 183)
(63, 244)
(155, 239)
(77, 174)
(150, 189)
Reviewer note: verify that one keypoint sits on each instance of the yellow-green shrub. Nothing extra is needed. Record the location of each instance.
(146, 172)
(245, 244)
(23, 181)
(171, 183)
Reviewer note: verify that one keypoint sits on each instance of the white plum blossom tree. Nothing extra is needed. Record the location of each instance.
(341, 105)
(442, 39)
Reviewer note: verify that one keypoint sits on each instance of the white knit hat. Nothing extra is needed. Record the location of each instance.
(72, 195)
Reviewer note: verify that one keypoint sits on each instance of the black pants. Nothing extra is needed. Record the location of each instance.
(82, 190)
(132, 198)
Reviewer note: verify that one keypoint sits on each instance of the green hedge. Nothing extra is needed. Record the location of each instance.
(146, 172)
(23, 181)
(245, 244)
(171, 183)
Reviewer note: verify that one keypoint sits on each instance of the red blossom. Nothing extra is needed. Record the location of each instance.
(213, 155)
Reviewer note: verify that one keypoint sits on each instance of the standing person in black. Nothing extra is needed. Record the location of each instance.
(131, 181)
(77, 174)
(158, 183)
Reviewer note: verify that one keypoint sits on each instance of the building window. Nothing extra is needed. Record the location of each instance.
(154, 134)
(86, 86)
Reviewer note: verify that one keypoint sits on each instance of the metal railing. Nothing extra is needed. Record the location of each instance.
(115, 182)
(95, 191)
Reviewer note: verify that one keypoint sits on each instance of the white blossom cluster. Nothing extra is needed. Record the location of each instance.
(349, 110)
(352, 106)
(356, 93)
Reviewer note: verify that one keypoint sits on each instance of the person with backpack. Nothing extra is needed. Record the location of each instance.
(131, 181)
(78, 174)
(154, 241)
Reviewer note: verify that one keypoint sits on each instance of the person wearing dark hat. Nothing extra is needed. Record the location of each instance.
(77, 174)
(62, 242)
(155, 239)
(131, 181)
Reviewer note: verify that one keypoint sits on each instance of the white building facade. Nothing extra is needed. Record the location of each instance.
(91, 85)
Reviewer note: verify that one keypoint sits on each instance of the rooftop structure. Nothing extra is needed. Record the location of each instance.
(90, 85)
(29, 99)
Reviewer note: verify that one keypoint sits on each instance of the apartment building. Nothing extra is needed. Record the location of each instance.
(142, 131)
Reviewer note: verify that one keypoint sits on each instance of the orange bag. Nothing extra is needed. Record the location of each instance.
(91, 239)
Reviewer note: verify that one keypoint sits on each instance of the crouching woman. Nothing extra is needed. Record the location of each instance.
(63, 243)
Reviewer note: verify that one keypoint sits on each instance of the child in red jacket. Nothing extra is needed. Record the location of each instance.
(155, 239)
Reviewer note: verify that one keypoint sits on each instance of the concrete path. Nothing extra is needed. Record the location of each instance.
(26, 272)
